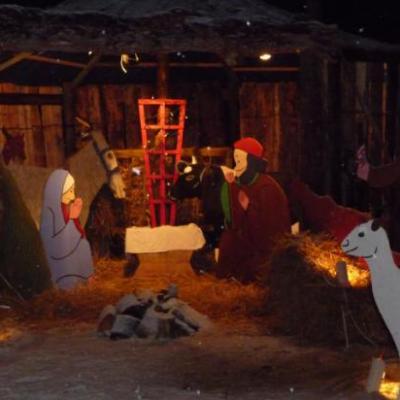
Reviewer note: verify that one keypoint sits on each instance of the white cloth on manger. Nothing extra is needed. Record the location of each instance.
(163, 238)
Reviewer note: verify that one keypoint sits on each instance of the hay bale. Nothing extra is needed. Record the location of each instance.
(305, 299)
(23, 263)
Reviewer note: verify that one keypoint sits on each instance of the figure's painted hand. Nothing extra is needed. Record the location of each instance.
(229, 173)
(76, 208)
(244, 200)
(362, 163)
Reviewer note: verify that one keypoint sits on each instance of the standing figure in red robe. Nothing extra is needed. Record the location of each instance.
(256, 214)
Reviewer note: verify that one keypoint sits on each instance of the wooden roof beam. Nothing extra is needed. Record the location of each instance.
(14, 60)
(74, 64)
(82, 75)
(56, 61)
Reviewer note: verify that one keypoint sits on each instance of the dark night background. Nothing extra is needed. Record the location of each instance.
(377, 19)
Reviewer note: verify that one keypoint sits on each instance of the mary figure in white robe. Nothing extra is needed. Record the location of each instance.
(67, 249)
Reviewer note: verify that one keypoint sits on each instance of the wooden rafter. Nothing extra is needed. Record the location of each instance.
(82, 75)
(14, 60)
(56, 61)
(74, 64)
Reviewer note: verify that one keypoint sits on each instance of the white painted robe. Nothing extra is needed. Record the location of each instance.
(67, 250)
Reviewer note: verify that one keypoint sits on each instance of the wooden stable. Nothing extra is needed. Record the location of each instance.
(323, 93)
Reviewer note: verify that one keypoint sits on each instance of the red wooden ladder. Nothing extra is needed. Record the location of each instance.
(162, 123)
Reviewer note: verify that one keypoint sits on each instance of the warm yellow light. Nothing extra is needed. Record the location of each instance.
(389, 389)
(265, 57)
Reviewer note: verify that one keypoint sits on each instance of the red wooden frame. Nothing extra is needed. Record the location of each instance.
(161, 202)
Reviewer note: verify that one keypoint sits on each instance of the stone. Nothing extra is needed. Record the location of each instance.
(191, 317)
(106, 320)
(130, 305)
(124, 327)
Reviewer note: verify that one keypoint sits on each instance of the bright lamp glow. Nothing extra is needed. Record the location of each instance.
(265, 57)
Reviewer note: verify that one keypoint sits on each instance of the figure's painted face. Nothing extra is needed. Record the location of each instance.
(68, 196)
(240, 158)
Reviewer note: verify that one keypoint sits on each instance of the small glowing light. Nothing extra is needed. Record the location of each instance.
(103, 32)
(124, 61)
(186, 117)
(90, 52)
(152, 97)
(361, 30)
(178, 53)
(265, 57)
(248, 23)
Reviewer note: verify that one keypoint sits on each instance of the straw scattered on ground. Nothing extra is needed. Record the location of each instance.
(226, 301)
(299, 295)
(306, 300)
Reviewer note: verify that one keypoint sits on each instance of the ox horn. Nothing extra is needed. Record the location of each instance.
(194, 160)
(375, 225)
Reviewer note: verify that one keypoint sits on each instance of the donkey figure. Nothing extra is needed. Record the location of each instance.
(91, 166)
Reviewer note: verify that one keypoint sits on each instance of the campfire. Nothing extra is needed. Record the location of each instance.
(151, 315)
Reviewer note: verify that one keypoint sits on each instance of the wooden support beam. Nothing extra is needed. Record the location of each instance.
(162, 76)
(30, 99)
(14, 60)
(186, 152)
(69, 118)
(82, 75)
(232, 106)
(56, 61)
(74, 64)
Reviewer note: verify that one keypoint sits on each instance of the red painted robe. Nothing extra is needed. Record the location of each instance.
(247, 241)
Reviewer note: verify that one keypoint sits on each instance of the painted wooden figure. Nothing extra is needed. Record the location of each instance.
(67, 249)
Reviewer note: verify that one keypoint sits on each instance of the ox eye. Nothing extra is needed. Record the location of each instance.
(361, 234)
(189, 178)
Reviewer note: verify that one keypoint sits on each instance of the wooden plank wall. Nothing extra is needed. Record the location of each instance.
(368, 116)
(356, 106)
(270, 113)
(113, 108)
(41, 126)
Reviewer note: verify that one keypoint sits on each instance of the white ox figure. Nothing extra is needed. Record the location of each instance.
(369, 241)
(91, 166)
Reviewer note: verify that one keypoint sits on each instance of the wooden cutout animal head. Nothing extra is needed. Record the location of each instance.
(365, 240)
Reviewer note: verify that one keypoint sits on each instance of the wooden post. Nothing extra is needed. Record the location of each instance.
(392, 107)
(69, 118)
(162, 76)
(232, 106)
(69, 101)
(312, 151)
